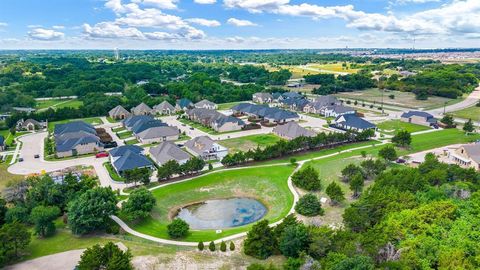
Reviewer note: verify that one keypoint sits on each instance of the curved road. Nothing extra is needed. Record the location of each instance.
(470, 101)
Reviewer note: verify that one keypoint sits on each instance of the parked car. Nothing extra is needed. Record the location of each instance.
(191, 128)
(20, 159)
(401, 161)
(110, 145)
(36, 156)
(101, 155)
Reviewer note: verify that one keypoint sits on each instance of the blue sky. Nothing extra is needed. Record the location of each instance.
(238, 24)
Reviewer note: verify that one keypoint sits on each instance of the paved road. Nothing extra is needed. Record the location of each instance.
(60, 261)
(470, 101)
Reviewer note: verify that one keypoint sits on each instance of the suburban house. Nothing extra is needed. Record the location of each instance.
(320, 104)
(293, 95)
(206, 148)
(133, 120)
(292, 130)
(2, 143)
(419, 118)
(76, 138)
(158, 134)
(118, 113)
(265, 113)
(142, 109)
(129, 157)
(164, 108)
(467, 155)
(183, 104)
(30, 125)
(262, 97)
(295, 104)
(215, 120)
(167, 151)
(353, 123)
(337, 110)
(205, 104)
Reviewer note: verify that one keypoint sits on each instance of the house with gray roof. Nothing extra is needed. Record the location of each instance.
(127, 158)
(119, 113)
(337, 110)
(295, 104)
(30, 125)
(167, 151)
(265, 113)
(292, 130)
(419, 118)
(142, 109)
(158, 134)
(467, 156)
(321, 103)
(206, 148)
(215, 120)
(262, 97)
(183, 104)
(121, 150)
(352, 122)
(205, 104)
(76, 138)
(134, 120)
(164, 108)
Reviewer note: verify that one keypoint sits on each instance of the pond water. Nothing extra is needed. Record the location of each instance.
(220, 214)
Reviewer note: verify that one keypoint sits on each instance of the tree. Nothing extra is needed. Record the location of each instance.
(211, 246)
(372, 168)
(355, 263)
(14, 237)
(44, 191)
(17, 213)
(468, 127)
(92, 210)
(349, 171)
(109, 257)
(309, 205)
(200, 246)
(139, 204)
(178, 228)
(3, 211)
(294, 240)
(403, 138)
(232, 246)
(260, 242)
(137, 175)
(356, 185)
(223, 247)
(388, 153)
(335, 192)
(448, 121)
(307, 179)
(167, 170)
(42, 217)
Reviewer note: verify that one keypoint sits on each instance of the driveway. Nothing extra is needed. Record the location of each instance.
(60, 261)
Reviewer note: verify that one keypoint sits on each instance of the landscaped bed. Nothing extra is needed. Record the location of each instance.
(132, 141)
(113, 174)
(124, 135)
(268, 185)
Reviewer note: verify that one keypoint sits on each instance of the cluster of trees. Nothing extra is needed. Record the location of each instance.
(258, 75)
(329, 84)
(139, 204)
(356, 175)
(171, 168)
(283, 148)
(409, 218)
(212, 247)
(109, 257)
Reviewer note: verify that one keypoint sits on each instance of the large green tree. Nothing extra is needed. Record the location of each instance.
(43, 217)
(139, 204)
(308, 179)
(260, 242)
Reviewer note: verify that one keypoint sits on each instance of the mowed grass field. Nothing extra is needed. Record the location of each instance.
(268, 185)
(402, 99)
(250, 142)
(58, 103)
(393, 126)
(468, 113)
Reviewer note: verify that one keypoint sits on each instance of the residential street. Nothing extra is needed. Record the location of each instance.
(470, 101)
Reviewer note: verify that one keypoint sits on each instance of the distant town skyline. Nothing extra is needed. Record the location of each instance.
(238, 24)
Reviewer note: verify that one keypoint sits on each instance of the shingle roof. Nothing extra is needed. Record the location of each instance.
(158, 132)
(164, 106)
(141, 108)
(167, 151)
(141, 126)
(416, 113)
(291, 95)
(222, 120)
(203, 103)
(134, 119)
(352, 120)
(200, 145)
(293, 130)
(131, 160)
(265, 111)
(119, 110)
(184, 103)
(73, 126)
(339, 109)
(328, 100)
(263, 95)
(121, 150)
(68, 141)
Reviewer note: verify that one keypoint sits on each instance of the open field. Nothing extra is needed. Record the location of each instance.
(393, 126)
(266, 185)
(336, 67)
(468, 113)
(58, 103)
(227, 106)
(402, 99)
(91, 120)
(250, 142)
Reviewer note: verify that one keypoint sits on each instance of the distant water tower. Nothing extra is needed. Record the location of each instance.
(116, 54)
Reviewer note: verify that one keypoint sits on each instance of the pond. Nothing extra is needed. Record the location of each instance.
(220, 214)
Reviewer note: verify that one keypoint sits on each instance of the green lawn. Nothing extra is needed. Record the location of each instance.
(124, 135)
(7, 178)
(203, 128)
(268, 185)
(393, 126)
(227, 106)
(74, 103)
(250, 142)
(468, 113)
(132, 141)
(113, 174)
(58, 103)
(91, 120)
(118, 129)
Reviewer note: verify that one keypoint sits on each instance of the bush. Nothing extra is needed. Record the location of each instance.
(210, 166)
(139, 204)
(211, 246)
(201, 246)
(309, 206)
(307, 179)
(178, 228)
(223, 247)
(232, 246)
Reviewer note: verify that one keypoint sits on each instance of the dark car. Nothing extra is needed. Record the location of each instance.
(401, 161)
(191, 128)
(110, 144)
(36, 156)
(20, 159)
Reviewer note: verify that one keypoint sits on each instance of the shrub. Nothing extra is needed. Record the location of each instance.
(309, 205)
(307, 179)
(232, 246)
(201, 246)
(178, 228)
(223, 247)
(211, 246)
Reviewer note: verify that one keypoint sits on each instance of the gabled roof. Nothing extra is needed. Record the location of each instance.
(141, 108)
(339, 109)
(68, 141)
(416, 113)
(164, 106)
(184, 103)
(293, 130)
(167, 151)
(328, 100)
(131, 160)
(354, 121)
(276, 95)
(203, 103)
(158, 132)
(220, 121)
(134, 119)
(265, 111)
(201, 145)
(74, 126)
(141, 126)
(291, 95)
(119, 110)
(121, 150)
(263, 95)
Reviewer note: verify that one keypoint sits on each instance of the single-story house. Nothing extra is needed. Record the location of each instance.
(337, 110)
(320, 104)
(266, 113)
(133, 120)
(129, 157)
(183, 104)
(205, 104)
(158, 134)
(119, 113)
(215, 120)
(288, 95)
(164, 108)
(206, 148)
(262, 97)
(30, 125)
(353, 123)
(295, 104)
(292, 130)
(167, 151)
(467, 155)
(142, 109)
(76, 138)
(419, 118)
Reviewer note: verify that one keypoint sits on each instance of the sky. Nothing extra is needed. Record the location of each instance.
(238, 24)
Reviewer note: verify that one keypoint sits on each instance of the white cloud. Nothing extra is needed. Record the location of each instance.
(255, 6)
(45, 34)
(58, 27)
(240, 23)
(204, 22)
(402, 2)
(3, 24)
(111, 30)
(163, 4)
(205, 2)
